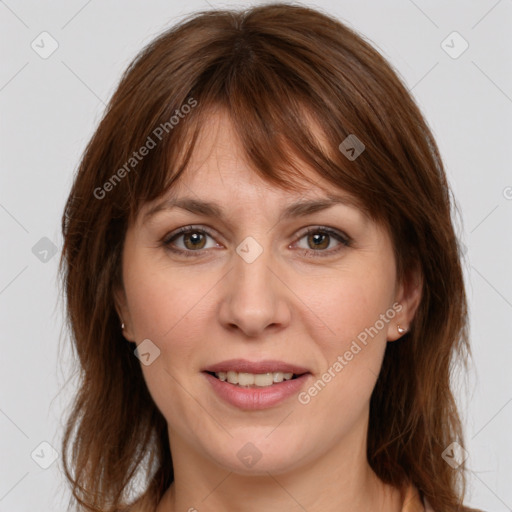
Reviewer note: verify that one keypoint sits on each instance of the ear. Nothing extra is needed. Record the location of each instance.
(123, 312)
(408, 294)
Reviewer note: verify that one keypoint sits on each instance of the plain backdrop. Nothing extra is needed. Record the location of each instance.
(50, 106)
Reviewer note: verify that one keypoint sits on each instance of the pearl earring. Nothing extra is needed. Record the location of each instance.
(401, 330)
(122, 325)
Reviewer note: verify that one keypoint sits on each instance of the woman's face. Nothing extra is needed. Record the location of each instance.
(255, 294)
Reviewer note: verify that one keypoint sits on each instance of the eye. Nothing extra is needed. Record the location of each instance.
(194, 240)
(320, 237)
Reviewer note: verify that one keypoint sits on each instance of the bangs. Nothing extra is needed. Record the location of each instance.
(285, 124)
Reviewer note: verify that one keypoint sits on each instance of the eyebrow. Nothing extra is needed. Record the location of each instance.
(211, 209)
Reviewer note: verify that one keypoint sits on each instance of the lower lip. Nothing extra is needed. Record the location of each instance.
(256, 398)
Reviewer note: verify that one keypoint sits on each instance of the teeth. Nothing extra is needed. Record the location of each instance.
(245, 379)
(278, 376)
(251, 379)
(265, 379)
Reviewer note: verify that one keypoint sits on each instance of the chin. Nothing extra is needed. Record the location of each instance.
(259, 455)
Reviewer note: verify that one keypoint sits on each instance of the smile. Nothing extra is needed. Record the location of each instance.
(254, 396)
(244, 379)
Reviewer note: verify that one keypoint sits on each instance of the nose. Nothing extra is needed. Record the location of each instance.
(254, 297)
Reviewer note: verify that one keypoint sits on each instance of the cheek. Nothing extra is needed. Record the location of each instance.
(162, 299)
(354, 312)
(348, 305)
(166, 305)
(169, 306)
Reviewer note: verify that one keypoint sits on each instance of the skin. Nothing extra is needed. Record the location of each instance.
(286, 305)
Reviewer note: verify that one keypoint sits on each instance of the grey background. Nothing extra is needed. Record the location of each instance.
(50, 108)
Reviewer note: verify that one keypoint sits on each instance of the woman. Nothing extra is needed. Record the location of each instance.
(263, 281)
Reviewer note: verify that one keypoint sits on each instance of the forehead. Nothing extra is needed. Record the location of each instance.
(221, 177)
(219, 174)
(219, 165)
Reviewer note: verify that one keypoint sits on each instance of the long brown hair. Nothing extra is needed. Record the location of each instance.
(274, 68)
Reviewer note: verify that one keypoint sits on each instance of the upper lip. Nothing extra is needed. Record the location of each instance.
(256, 367)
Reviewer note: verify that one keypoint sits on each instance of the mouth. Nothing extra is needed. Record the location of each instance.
(256, 385)
(255, 380)
(251, 374)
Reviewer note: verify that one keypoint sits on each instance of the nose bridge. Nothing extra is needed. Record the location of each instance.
(254, 298)
(252, 265)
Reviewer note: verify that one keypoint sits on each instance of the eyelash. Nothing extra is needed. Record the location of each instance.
(345, 241)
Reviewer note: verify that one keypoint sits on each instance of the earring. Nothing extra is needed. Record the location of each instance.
(122, 325)
(401, 330)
